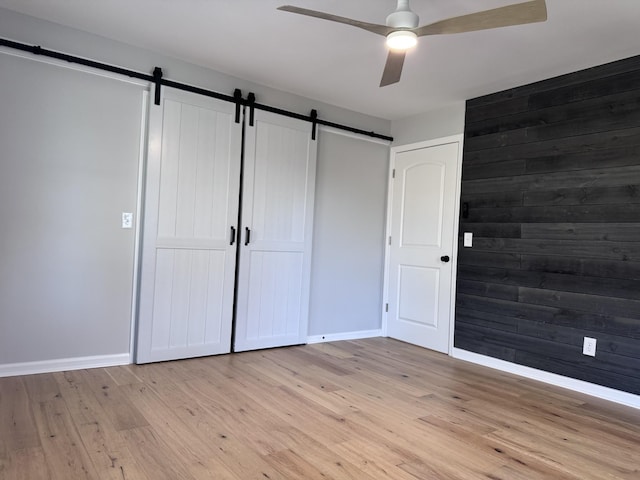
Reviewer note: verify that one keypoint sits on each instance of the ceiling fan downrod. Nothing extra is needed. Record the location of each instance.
(403, 17)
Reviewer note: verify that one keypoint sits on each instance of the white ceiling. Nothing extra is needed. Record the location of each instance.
(342, 65)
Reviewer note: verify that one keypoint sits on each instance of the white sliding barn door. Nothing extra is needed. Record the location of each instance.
(191, 207)
(423, 213)
(277, 222)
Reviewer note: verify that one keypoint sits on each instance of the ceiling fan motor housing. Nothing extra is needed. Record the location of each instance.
(403, 17)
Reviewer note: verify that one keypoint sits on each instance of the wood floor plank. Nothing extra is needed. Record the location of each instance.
(199, 445)
(64, 451)
(363, 409)
(123, 375)
(322, 458)
(291, 465)
(315, 391)
(104, 445)
(155, 456)
(333, 349)
(42, 387)
(17, 425)
(371, 461)
(25, 464)
(502, 456)
(113, 400)
(236, 415)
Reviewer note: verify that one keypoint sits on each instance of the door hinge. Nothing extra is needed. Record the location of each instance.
(389, 240)
(386, 308)
(393, 173)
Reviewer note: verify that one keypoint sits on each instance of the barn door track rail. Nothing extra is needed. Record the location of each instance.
(158, 80)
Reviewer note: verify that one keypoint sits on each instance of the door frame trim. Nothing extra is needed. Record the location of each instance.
(459, 139)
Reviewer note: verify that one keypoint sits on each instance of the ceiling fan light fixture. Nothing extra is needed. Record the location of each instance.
(402, 40)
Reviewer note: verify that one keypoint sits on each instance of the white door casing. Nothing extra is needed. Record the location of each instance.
(277, 224)
(423, 203)
(191, 204)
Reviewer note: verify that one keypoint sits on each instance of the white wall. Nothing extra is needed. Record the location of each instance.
(69, 162)
(106, 333)
(348, 248)
(430, 125)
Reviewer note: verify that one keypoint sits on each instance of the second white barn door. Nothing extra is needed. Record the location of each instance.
(191, 232)
(423, 213)
(277, 222)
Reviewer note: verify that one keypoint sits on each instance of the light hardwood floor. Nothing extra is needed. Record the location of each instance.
(369, 409)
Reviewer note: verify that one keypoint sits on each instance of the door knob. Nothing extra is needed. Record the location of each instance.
(445, 258)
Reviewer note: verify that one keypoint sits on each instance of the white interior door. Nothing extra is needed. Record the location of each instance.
(423, 214)
(191, 207)
(277, 222)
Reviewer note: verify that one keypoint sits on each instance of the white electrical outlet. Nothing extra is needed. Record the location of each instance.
(467, 239)
(589, 346)
(127, 220)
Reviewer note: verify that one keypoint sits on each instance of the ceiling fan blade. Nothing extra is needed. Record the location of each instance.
(370, 27)
(518, 14)
(393, 68)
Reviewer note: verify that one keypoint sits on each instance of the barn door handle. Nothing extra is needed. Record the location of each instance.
(445, 258)
(247, 235)
(233, 236)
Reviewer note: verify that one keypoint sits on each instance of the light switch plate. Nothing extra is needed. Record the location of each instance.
(468, 239)
(127, 220)
(589, 346)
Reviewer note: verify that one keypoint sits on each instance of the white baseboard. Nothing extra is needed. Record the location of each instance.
(63, 364)
(598, 391)
(334, 337)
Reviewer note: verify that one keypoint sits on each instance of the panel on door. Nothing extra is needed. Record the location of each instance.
(277, 218)
(422, 242)
(189, 246)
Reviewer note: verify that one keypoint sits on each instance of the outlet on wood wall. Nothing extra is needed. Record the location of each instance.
(551, 176)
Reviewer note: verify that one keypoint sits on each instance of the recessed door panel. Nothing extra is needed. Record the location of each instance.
(418, 295)
(421, 214)
(188, 298)
(275, 281)
(280, 183)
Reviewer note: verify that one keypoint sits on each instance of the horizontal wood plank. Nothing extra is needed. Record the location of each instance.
(613, 213)
(604, 286)
(617, 251)
(590, 107)
(597, 177)
(569, 80)
(596, 323)
(592, 267)
(621, 138)
(582, 302)
(619, 195)
(613, 232)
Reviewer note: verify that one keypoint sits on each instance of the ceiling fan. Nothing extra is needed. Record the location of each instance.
(402, 30)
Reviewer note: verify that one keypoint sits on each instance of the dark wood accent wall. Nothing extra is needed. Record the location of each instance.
(551, 176)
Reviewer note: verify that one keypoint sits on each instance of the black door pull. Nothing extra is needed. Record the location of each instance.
(233, 236)
(445, 258)
(247, 235)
